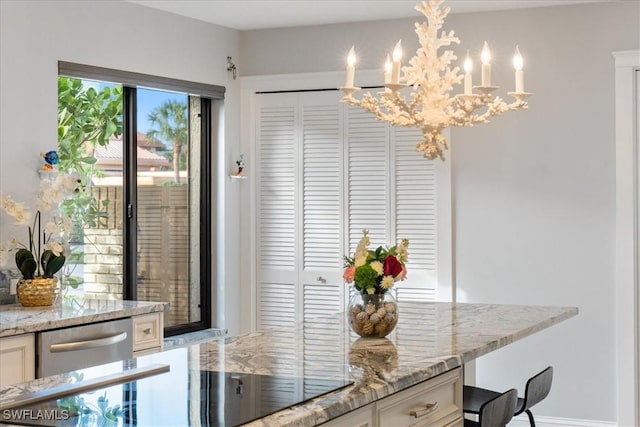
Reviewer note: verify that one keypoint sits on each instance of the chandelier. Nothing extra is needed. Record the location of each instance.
(430, 105)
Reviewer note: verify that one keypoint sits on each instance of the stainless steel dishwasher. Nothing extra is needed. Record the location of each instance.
(78, 347)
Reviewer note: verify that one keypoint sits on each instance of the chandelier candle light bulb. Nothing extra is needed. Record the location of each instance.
(395, 66)
(387, 70)
(485, 56)
(468, 79)
(351, 68)
(518, 63)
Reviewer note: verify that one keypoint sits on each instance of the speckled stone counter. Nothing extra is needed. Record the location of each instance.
(430, 339)
(16, 319)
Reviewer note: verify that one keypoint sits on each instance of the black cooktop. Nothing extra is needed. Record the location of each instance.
(206, 398)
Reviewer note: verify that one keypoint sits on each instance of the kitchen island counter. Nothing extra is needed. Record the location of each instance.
(16, 319)
(206, 380)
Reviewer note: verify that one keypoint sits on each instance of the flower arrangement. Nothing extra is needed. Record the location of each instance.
(376, 271)
(43, 253)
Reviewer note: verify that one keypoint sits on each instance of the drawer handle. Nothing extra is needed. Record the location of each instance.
(92, 343)
(147, 331)
(422, 411)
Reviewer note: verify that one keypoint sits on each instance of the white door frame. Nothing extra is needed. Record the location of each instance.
(627, 238)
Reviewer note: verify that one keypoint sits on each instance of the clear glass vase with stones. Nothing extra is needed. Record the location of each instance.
(372, 315)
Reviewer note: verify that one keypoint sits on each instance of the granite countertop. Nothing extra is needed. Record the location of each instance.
(430, 338)
(16, 319)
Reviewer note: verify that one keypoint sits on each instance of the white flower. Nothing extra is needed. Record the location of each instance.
(69, 183)
(387, 282)
(17, 210)
(52, 227)
(44, 205)
(371, 291)
(377, 267)
(54, 247)
(360, 260)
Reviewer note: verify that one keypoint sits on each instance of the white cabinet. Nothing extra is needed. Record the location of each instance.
(148, 333)
(362, 417)
(17, 359)
(435, 403)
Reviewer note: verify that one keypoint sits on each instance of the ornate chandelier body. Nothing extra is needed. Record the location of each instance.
(430, 105)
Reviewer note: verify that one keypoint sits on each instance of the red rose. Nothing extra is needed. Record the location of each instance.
(392, 266)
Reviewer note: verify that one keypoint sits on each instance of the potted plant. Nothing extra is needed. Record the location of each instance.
(42, 256)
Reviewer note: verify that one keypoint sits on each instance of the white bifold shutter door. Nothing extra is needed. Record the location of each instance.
(277, 164)
(326, 171)
(323, 291)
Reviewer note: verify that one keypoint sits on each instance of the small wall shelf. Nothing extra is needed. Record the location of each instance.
(237, 177)
(45, 174)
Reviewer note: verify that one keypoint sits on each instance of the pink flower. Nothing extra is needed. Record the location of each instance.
(348, 274)
(403, 274)
(392, 266)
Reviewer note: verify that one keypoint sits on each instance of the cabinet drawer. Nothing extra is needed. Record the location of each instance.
(147, 331)
(435, 402)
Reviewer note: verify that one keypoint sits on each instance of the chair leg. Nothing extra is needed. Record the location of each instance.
(532, 423)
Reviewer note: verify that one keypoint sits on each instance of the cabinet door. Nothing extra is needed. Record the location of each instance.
(362, 417)
(17, 359)
(148, 333)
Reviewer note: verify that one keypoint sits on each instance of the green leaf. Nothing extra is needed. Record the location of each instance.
(26, 263)
(28, 268)
(89, 160)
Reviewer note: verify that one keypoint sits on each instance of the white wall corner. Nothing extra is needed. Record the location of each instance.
(627, 64)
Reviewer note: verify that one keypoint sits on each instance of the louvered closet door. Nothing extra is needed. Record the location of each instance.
(277, 149)
(321, 202)
(414, 196)
(322, 244)
(367, 192)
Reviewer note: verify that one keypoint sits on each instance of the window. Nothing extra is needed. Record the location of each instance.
(144, 219)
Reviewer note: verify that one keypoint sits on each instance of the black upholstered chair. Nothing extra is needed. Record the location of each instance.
(536, 390)
(496, 412)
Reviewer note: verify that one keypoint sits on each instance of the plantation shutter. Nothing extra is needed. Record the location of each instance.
(322, 242)
(414, 198)
(321, 204)
(367, 141)
(276, 209)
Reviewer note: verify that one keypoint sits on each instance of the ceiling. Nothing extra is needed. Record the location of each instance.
(261, 14)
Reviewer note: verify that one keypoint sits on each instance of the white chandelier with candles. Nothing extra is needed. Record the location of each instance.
(431, 106)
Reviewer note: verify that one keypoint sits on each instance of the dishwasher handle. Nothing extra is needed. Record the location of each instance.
(87, 344)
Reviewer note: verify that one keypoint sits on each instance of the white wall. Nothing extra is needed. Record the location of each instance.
(534, 191)
(34, 35)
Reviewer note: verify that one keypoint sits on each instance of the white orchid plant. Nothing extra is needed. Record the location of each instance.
(44, 253)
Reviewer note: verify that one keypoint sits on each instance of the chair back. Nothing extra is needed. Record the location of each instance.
(537, 388)
(498, 411)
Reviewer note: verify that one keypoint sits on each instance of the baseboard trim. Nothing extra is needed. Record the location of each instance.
(523, 421)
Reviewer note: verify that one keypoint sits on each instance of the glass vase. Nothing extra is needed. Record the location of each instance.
(372, 316)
